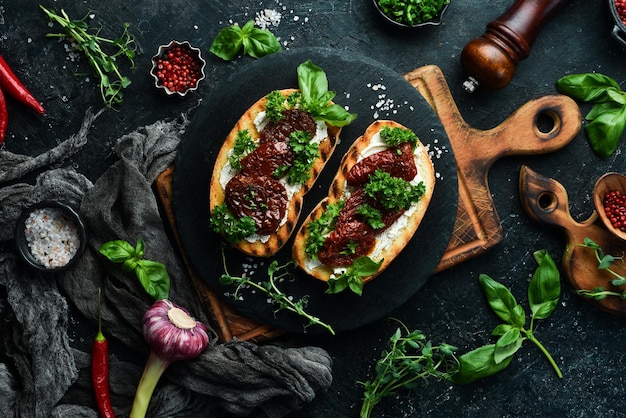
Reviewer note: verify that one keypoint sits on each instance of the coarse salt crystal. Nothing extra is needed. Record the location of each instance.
(52, 237)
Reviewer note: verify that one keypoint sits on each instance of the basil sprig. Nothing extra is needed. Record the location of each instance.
(316, 99)
(255, 42)
(543, 295)
(607, 117)
(151, 274)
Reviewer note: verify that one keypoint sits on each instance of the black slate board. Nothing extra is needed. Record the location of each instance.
(367, 88)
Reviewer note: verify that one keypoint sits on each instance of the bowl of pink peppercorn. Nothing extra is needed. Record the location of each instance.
(617, 10)
(177, 68)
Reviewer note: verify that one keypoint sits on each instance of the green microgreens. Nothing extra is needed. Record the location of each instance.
(234, 229)
(151, 274)
(244, 144)
(393, 192)
(318, 228)
(269, 288)
(408, 359)
(104, 65)
(544, 291)
(605, 262)
(352, 278)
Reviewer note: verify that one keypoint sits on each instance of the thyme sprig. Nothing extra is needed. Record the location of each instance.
(605, 261)
(282, 301)
(103, 63)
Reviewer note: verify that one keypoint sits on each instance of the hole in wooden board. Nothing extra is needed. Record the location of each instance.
(547, 201)
(547, 123)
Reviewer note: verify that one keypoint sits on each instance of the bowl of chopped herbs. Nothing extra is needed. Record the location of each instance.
(412, 13)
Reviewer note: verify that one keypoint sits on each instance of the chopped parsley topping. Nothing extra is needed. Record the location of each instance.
(372, 216)
(234, 229)
(393, 192)
(244, 144)
(320, 227)
(395, 136)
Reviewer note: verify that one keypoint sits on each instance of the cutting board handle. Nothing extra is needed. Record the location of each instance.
(546, 201)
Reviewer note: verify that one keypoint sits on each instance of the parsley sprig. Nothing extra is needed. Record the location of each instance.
(282, 301)
(394, 136)
(306, 153)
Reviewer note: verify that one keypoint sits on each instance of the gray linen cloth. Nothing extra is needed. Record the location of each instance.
(43, 374)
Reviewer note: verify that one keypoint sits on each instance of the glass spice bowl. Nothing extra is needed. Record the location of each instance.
(50, 236)
(433, 22)
(177, 68)
(609, 199)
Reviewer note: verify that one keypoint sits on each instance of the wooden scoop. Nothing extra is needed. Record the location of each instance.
(605, 184)
(545, 200)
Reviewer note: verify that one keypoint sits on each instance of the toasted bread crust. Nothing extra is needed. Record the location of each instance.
(425, 170)
(217, 194)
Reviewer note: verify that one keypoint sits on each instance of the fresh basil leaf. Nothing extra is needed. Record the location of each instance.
(477, 364)
(507, 345)
(606, 129)
(544, 289)
(501, 329)
(518, 317)
(500, 298)
(365, 266)
(140, 248)
(258, 42)
(337, 284)
(335, 115)
(616, 95)
(227, 43)
(586, 87)
(118, 251)
(312, 81)
(154, 278)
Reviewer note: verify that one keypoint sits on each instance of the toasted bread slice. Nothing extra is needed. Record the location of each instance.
(268, 245)
(388, 243)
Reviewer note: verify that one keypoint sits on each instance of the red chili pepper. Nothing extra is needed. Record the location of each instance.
(4, 117)
(14, 88)
(100, 369)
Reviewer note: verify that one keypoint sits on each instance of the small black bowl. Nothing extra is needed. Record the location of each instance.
(433, 22)
(619, 29)
(66, 214)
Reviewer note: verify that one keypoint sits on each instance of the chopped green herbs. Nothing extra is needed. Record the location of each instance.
(395, 136)
(373, 217)
(234, 229)
(306, 153)
(412, 12)
(244, 144)
(393, 192)
(318, 228)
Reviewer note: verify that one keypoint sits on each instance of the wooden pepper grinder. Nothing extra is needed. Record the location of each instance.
(490, 60)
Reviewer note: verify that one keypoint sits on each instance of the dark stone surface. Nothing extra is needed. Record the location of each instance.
(586, 343)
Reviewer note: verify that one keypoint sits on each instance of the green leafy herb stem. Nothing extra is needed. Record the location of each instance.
(104, 64)
(395, 136)
(607, 117)
(234, 228)
(605, 262)
(352, 278)
(408, 359)
(543, 295)
(151, 274)
(393, 192)
(281, 300)
(255, 42)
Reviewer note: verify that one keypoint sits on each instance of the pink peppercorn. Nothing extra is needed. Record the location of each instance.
(620, 6)
(179, 69)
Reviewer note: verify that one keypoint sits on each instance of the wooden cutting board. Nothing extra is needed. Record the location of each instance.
(546, 201)
(477, 226)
